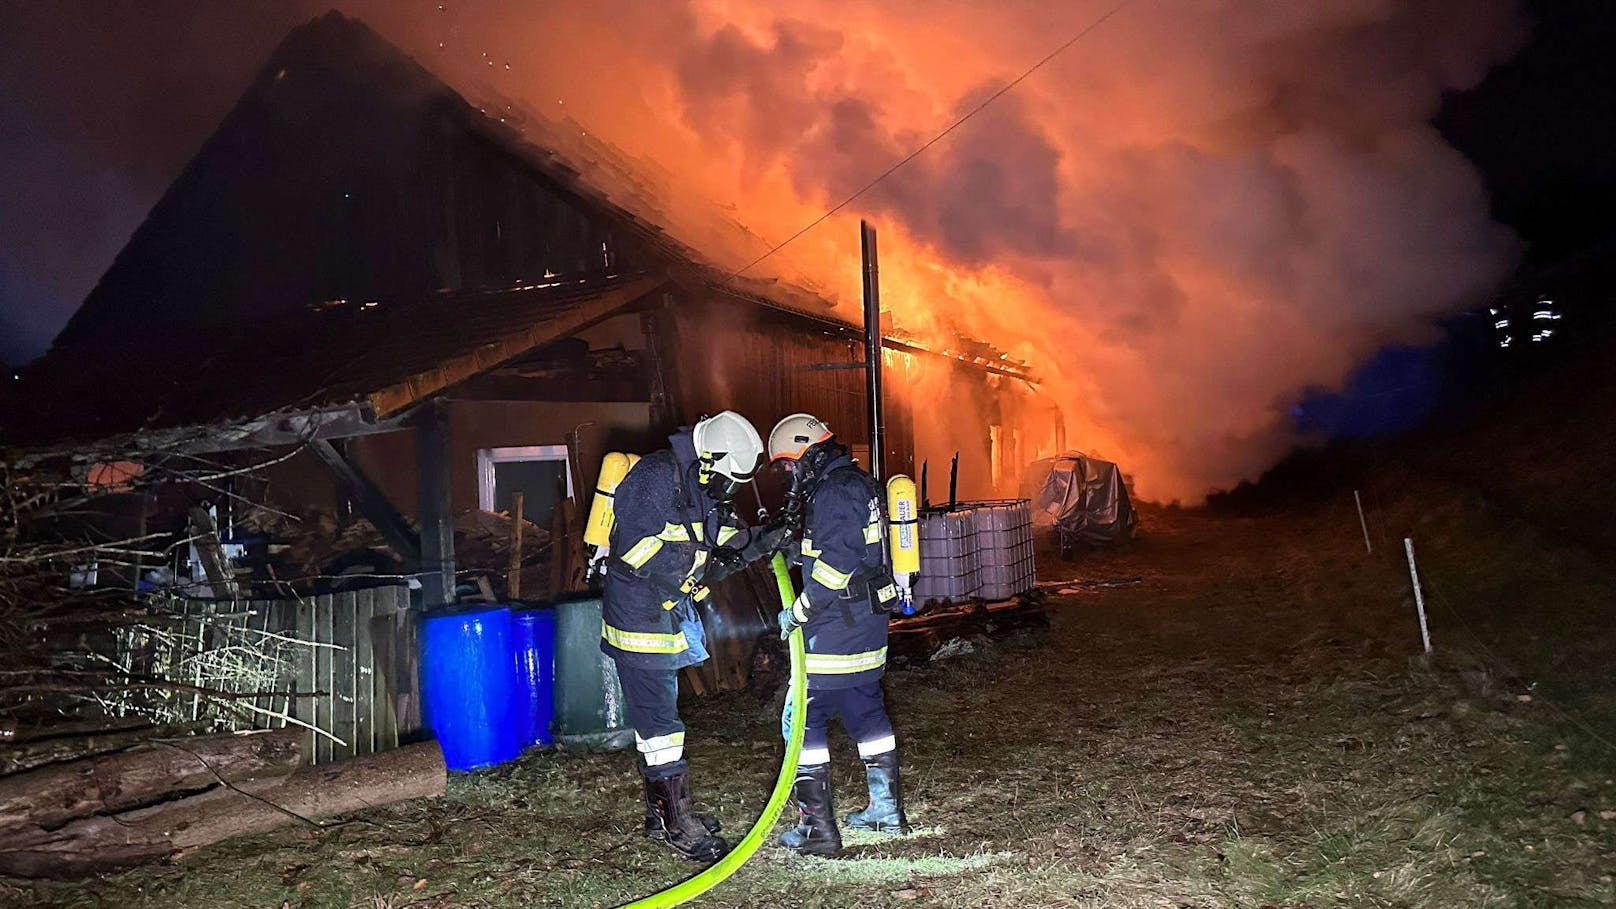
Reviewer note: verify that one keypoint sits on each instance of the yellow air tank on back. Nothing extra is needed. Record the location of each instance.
(903, 536)
(602, 512)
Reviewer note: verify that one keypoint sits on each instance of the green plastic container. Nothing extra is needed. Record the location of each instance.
(589, 698)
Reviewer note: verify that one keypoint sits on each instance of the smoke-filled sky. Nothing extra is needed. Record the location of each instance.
(1199, 211)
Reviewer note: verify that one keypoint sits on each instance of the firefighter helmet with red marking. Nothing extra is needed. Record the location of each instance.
(794, 435)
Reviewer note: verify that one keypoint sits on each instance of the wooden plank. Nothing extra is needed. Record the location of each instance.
(214, 564)
(585, 313)
(283, 621)
(343, 673)
(254, 623)
(513, 575)
(393, 630)
(269, 622)
(304, 709)
(381, 636)
(165, 659)
(406, 657)
(364, 665)
(324, 668)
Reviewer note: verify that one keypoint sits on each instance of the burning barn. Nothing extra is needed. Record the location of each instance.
(422, 315)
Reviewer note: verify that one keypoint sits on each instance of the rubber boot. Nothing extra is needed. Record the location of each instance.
(885, 812)
(653, 822)
(680, 829)
(816, 832)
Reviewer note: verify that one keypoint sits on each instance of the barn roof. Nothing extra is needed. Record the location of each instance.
(248, 376)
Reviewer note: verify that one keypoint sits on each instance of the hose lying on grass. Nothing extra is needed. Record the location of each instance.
(716, 873)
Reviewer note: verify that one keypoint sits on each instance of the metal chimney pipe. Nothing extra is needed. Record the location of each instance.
(872, 352)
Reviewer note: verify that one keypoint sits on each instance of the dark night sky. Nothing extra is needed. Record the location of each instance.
(102, 104)
(1542, 127)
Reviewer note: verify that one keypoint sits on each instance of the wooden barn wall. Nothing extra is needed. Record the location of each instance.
(953, 409)
(959, 408)
(389, 459)
(735, 355)
(723, 354)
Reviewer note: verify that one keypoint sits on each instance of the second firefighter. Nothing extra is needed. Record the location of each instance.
(847, 595)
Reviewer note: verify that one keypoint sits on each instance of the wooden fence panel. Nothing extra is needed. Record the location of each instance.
(352, 655)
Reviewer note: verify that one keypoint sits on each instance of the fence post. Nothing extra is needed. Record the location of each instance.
(1419, 596)
(1362, 522)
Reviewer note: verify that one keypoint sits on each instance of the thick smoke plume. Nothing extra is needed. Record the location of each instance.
(1196, 213)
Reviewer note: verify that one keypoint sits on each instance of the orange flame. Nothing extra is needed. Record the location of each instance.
(1197, 213)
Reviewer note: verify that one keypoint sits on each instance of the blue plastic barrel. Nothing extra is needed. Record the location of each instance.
(468, 691)
(535, 676)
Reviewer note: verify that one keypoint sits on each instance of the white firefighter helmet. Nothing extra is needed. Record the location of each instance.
(794, 435)
(729, 445)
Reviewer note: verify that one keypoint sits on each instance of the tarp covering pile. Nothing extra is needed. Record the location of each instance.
(1085, 499)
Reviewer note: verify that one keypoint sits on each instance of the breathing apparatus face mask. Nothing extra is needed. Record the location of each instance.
(723, 487)
(804, 471)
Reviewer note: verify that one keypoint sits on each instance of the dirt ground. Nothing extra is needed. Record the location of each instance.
(1251, 725)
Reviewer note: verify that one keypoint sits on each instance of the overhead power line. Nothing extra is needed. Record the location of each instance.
(1003, 90)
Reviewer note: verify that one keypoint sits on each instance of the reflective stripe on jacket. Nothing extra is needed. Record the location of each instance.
(647, 622)
(847, 640)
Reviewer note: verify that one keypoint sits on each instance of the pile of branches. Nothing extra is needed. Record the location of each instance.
(58, 639)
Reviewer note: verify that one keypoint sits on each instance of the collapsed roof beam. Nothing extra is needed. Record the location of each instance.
(354, 485)
(272, 431)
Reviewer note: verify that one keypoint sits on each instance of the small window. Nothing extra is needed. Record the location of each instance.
(539, 472)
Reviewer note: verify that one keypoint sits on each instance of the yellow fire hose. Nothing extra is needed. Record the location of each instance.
(715, 874)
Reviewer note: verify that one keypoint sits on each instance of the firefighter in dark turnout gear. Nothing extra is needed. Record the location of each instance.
(675, 534)
(847, 594)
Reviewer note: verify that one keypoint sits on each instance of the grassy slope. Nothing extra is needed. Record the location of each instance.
(1248, 727)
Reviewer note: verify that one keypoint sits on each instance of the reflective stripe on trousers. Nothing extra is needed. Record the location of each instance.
(661, 749)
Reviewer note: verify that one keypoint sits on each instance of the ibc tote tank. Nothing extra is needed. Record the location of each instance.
(535, 676)
(468, 685)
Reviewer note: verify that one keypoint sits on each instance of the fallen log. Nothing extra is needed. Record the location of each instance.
(173, 829)
(155, 771)
(28, 753)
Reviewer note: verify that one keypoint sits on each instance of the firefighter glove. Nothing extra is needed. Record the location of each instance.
(794, 617)
(721, 563)
(771, 539)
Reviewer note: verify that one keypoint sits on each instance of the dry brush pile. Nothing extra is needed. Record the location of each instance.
(82, 647)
